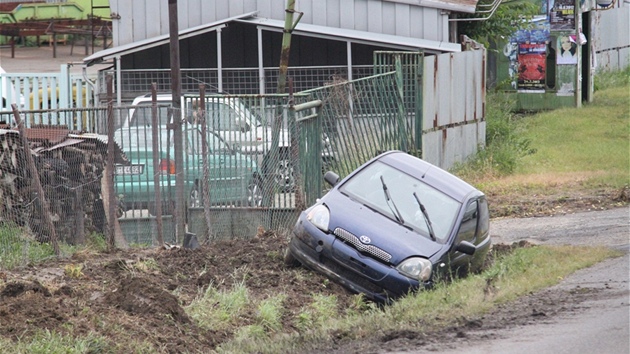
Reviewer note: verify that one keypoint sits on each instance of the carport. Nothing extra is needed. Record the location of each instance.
(348, 37)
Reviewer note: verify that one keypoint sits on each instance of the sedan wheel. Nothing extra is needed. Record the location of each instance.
(194, 199)
(284, 176)
(254, 194)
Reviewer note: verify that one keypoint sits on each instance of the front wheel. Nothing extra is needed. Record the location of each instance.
(254, 193)
(290, 260)
(194, 198)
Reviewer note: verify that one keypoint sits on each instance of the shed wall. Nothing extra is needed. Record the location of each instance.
(141, 19)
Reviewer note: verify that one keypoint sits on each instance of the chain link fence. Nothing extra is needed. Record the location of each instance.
(251, 163)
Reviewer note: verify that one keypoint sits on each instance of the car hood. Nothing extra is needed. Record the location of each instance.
(383, 232)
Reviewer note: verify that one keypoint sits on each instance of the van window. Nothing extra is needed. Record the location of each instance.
(143, 115)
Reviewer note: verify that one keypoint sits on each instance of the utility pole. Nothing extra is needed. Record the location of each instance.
(176, 93)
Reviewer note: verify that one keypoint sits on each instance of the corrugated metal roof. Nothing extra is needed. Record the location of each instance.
(157, 41)
(355, 36)
(370, 38)
(467, 6)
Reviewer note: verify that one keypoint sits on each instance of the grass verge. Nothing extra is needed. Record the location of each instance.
(524, 271)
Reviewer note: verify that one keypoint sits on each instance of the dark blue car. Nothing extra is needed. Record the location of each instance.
(392, 226)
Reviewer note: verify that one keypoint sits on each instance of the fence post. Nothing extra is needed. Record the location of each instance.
(205, 182)
(156, 178)
(45, 208)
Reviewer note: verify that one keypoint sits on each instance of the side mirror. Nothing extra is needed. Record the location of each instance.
(466, 248)
(331, 178)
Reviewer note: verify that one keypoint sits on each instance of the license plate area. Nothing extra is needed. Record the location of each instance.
(130, 170)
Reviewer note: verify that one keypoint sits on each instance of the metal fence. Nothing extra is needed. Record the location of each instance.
(251, 162)
(46, 91)
(235, 81)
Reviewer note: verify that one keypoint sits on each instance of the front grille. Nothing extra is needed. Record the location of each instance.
(354, 241)
(352, 277)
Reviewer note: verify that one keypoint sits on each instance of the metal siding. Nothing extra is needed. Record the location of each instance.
(428, 92)
(139, 22)
(123, 28)
(346, 14)
(264, 8)
(429, 32)
(459, 83)
(444, 89)
(389, 20)
(305, 6)
(471, 90)
(479, 82)
(432, 147)
(375, 18)
(139, 16)
(319, 14)
(416, 23)
(332, 13)
(360, 15)
(236, 8)
(208, 11)
(402, 21)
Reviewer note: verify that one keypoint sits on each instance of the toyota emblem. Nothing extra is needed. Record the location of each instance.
(364, 239)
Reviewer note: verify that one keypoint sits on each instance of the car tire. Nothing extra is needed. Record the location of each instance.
(195, 199)
(289, 259)
(254, 193)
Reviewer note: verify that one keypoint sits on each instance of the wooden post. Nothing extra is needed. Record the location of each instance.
(45, 208)
(205, 183)
(156, 162)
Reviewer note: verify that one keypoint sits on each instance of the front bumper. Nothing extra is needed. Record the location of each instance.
(344, 264)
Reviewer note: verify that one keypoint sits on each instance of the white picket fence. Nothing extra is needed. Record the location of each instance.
(46, 91)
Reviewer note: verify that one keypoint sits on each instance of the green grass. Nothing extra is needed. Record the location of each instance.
(17, 248)
(586, 148)
(593, 138)
(513, 275)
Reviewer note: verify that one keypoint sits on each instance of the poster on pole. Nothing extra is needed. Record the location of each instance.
(562, 15)
(532, 65)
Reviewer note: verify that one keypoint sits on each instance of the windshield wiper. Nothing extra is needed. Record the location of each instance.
(396, 213)
(426, 217)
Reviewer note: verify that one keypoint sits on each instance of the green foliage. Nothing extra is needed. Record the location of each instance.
(610, 79)
(219, 309)
(47, 342)
(17, 248)
(269, 314)
(509, 17)
(505, 144)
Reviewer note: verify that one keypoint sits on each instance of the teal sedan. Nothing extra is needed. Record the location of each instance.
(233, 178)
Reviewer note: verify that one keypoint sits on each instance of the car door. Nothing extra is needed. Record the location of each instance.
(467, 231)
(224, 181)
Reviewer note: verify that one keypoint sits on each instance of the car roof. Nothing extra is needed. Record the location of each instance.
(429, 173)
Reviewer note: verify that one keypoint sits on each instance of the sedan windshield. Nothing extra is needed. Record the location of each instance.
(367, 187)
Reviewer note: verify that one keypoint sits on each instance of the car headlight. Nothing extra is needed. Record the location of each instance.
(416, 268)
(319, 216)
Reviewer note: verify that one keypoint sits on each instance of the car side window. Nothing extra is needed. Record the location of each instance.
(194, 143)
(484, 218)
(468, 227)
(143, 115)
(222, 116)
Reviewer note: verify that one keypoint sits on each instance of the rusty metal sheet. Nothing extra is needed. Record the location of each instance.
(50, 135)
(67, 142)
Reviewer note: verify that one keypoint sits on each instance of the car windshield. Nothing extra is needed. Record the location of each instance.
(142, 114)
(368, 188)
(221, 113)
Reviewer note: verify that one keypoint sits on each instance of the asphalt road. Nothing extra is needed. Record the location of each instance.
(601, 324)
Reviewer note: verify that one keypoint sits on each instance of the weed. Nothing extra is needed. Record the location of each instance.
(73, 270)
